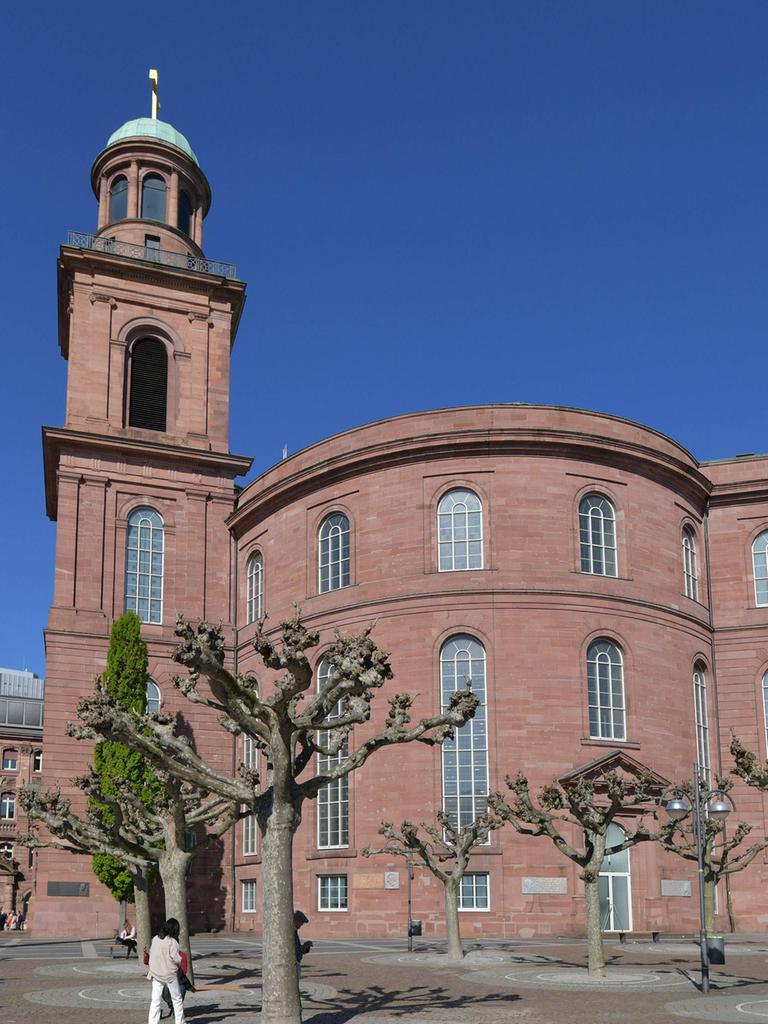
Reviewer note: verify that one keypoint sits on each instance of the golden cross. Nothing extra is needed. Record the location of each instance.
(154, 78)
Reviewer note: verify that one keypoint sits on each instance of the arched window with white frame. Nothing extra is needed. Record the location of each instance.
(597, 535)
(605, 684)
(333, 799)
(765, 707)
(465, 757)
(144, 565)
(460, 531)
(154, 700)
(255, 582)
(760, 567)
(690, 565)
(334, 560)
(701, 717)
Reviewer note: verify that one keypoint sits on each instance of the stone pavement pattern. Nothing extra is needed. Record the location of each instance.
(358, 983)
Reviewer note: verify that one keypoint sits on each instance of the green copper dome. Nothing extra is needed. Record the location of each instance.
(148, 127)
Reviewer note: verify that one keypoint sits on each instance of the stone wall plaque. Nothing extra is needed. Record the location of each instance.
(545, 886)
(675, 887)
(391, 879)
(361, 881)
(69, 889)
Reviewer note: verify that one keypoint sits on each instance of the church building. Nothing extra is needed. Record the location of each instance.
(606, 591)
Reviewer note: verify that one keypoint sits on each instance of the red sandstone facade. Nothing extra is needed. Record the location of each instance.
(531, 606)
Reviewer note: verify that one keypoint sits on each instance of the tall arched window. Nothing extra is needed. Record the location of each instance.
(184, 212)
(334, 553)
(153, 198)
(760, 566)
(148, 396)
(255, 595)
(765, 707)
(460, 531)
(144, 565)
(118, 198)
(605, 679)
(154, 700)
(465, 757)
(614, 884)
(597, 535)
(690, 566)
(333, 799)
(702, 718)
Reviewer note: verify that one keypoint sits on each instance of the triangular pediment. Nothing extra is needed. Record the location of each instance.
(618, 761)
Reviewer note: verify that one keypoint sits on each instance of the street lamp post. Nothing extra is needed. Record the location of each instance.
(706, 803)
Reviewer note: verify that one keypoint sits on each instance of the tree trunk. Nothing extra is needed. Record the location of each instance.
(596, 957)
(709, 904)
(173, 866)
(141, 905)
(455, 948)
(280, 998)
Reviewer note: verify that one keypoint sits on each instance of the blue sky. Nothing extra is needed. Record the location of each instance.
(432, 203)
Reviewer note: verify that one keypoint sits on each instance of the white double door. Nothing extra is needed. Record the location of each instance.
(615, 886)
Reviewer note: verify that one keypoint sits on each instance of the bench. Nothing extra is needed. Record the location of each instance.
(654, 936)
(117, 950)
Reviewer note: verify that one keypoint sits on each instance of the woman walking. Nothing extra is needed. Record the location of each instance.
(164, 963)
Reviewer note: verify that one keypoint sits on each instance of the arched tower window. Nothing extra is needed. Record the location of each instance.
(333, 799)
(144, 565)
(702, 718)
(690, 566)
(118, 198)
(605, 679)
(255, 596)
(148, 397)
(760, 566)
(184, 214)
(334, 553)
(154, 700)
(465, 757)
(460, 531)
(597, 535)
(153, 198)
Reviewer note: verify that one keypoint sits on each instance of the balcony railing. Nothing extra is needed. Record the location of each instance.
(179, 260)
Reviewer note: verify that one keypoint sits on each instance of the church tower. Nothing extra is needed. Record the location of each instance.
(139, 480)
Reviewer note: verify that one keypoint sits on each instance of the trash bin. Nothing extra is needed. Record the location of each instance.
(414, 927)
(716, 949)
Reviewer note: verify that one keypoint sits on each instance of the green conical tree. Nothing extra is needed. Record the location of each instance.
(125, 679)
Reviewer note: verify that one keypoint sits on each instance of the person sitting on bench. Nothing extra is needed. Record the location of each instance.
(127, 938)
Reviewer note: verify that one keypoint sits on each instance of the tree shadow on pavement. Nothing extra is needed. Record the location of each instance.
(401, 1003)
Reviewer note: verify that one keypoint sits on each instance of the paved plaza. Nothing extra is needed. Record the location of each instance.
(379, 982)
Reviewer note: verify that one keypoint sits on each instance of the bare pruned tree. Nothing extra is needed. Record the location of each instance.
(445, 851)
(585, 807)
(290, 723)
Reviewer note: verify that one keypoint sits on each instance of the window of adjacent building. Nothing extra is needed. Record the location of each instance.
(460, 531)
(10, 760)
(6, 850)
(605, 675)
(249, 897)
(760, 565)
(690, 566)
(144, 565)
(334, 553)
(153, 198)
(154, 700)
(148, 392)
(185, 212)
(474, 891)
(118, 198)
(465, 757)
(332, 892)
(8, 806)
(255, 582)
(250, 833)
(250, 752)
(37, 761)
(765, 707)
(702, 718)
(333, 799)
(597, 535)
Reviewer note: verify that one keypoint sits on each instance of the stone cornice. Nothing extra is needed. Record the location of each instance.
(330, 462)
(57, 438)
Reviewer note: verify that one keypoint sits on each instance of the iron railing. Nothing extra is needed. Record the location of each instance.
(134, 251)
